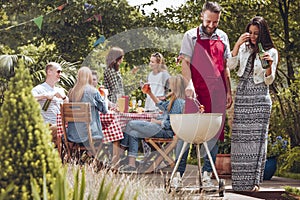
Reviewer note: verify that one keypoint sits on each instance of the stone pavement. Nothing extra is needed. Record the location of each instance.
(270, 189)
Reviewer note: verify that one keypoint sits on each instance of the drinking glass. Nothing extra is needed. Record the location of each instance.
(121, 104)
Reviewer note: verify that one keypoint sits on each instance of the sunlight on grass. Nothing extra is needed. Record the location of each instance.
(134, 187)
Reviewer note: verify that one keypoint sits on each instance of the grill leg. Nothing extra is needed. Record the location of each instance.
(199, 166)
(178, 160)
(211, 161)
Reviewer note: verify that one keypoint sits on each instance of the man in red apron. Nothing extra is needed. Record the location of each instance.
(203, 54)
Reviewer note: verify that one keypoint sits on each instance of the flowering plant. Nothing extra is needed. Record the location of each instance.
(276, 147)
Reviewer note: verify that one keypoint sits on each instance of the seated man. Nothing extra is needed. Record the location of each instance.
(55, 95)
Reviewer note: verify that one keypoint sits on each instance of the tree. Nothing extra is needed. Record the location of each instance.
(26, 148)
(73, 29)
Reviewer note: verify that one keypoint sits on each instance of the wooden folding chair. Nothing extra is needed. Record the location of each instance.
(77, 112)
(163, 148)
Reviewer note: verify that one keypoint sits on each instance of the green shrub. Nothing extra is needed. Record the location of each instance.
(25, 142)
(290, 159)
(105, 190)
(291, 191)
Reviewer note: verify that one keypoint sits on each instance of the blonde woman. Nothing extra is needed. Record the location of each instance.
(112, 77)
(157, 79)
(84, 91)
(159, 127)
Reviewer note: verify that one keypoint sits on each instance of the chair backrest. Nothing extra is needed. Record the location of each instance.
(77, 112)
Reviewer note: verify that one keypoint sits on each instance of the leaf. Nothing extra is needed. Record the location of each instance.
(45, 195)
(82, 187)
(4, 195)
(116, 193)
(34, 186)
(75, 192)
(6, 65)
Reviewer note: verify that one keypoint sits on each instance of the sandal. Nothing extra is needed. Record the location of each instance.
(255, 188)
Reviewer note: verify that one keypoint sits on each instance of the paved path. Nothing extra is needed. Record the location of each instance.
(270, 190)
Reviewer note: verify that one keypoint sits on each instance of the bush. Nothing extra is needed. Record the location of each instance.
(26, 148)
(289, 160)
(276, 147)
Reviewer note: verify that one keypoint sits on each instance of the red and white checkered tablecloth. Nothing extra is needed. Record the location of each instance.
(124, 118)
(113, 124)
(110, 127)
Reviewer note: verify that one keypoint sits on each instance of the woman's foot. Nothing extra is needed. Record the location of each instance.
(255, 188)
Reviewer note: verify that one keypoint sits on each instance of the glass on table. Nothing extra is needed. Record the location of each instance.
(121, 103)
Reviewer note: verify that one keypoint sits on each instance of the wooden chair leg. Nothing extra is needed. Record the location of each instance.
(163, 155)
(116, 154)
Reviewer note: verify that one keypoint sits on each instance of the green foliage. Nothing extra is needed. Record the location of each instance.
(292, 190)
(291, 175)
(25, 142)
(7, 190)
(8, 65)
(225, 146)
(290, 159)
(285, 115)
(276, 146)
(63, 191)
(72, 30)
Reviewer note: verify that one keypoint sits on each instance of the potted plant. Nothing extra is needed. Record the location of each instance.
(223, 161)
(276, 147)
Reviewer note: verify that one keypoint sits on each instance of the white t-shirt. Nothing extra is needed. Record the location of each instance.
(190, 38)
(157, 84)
(54, 107)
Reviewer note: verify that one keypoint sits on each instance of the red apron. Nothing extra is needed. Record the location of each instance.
(208, 76)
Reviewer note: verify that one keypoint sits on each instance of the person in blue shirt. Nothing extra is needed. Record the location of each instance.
(84, 91)
(159, 127)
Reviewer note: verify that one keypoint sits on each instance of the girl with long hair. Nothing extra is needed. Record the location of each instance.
(159, 127)
(84, 91)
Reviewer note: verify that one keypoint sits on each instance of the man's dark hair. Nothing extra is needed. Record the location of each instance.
(212, 7)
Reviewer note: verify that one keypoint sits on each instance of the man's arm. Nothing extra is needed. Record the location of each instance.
(186, 73)
(41, 96)
(49, 95)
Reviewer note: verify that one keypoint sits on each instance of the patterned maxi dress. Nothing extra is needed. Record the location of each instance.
(249, 131)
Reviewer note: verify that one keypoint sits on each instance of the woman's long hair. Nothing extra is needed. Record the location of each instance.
(84, 80)
(264, 36)
(114, 55)
(176, 84)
